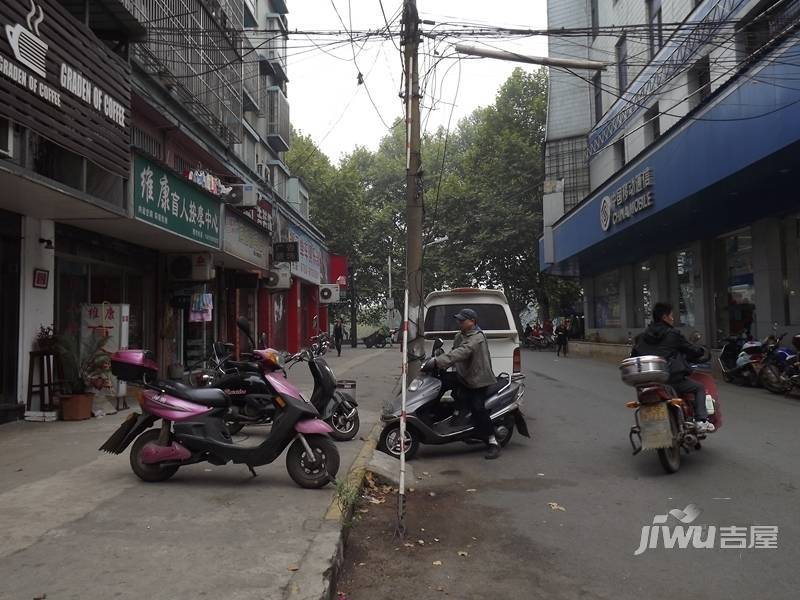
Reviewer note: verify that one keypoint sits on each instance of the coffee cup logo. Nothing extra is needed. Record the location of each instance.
(28, 47)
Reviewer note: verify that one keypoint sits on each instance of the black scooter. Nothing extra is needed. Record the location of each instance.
(430, 421)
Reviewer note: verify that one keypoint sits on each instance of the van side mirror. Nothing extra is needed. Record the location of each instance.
(437, 347)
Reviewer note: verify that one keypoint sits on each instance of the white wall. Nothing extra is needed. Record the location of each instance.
(36, 305)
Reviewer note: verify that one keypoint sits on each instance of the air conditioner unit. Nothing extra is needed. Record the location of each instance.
(249, 195)
(190, 267)
(329, 293)
(6, 139)
(278, 279)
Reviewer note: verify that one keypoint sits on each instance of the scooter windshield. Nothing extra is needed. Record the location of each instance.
(283, 386)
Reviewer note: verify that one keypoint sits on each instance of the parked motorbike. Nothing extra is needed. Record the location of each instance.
(540, 341)
(430, 421)
(775, 365)
(193, 426)
(320, 344)
(665, 421)
(253, 403)
(337, 409)
(380, 337)
(740, 359)
(791, 373)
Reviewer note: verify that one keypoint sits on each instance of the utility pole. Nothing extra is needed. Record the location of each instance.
(414, 210)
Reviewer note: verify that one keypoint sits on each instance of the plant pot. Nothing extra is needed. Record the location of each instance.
(77, 407)
(46, 345)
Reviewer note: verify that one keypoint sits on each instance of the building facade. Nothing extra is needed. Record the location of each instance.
(670, 175)
(142, 165)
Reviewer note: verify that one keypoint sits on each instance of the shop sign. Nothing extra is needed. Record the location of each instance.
(261, 214)
(172, 203)
(309, 264)
(245, 241)
(59, 80)
(285, 252)
(634, 196)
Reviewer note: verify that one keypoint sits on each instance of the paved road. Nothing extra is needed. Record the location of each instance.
(77, 524)
(747, 474)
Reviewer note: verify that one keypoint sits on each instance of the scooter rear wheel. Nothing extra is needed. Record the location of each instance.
(317, 474)
(150, 473)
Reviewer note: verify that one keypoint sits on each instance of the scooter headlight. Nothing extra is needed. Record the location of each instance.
(415, 384)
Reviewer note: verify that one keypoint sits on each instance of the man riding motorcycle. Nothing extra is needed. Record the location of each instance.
(662, 339)
(474, 374)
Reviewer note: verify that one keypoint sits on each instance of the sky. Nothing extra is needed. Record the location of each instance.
(326, 100)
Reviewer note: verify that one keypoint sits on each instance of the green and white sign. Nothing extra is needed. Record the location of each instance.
(169, 202)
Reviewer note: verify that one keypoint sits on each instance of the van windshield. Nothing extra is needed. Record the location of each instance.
(490, 317)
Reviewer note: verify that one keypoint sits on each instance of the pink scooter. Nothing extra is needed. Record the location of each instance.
(193, 426)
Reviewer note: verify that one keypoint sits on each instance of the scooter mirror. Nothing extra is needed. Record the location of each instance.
(244, 326)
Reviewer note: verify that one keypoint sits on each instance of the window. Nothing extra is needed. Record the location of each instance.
(619, 154)
(492, 317)
(763, 23)
(643, 294)
(622, 64)
(684, 267)
(144, 141)
(566, 159)
(607, 311)
(652, 126)
(699, 82)
(597, 86)
(655, 26)
(595, 19)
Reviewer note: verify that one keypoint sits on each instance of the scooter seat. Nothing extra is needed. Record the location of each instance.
(496, 387)
(211, 397)
(244, 366)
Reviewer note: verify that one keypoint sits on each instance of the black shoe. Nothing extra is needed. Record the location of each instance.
(494, 452)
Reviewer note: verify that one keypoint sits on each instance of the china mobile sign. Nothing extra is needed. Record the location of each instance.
(629, 199)
(682, 533)
(61, 81)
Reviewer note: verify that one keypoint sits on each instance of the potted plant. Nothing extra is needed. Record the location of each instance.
(83, 366)
(45, 338)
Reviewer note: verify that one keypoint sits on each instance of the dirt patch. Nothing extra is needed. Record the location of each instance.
(453, 548)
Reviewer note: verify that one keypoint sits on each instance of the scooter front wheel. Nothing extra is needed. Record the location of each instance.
(389, 441)
(319, 472)
(150, 473)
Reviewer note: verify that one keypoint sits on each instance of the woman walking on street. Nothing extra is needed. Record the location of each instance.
(338, 334)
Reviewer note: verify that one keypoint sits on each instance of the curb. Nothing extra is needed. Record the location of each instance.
(328, 545)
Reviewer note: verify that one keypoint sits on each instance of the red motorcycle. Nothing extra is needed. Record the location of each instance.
(665, 421)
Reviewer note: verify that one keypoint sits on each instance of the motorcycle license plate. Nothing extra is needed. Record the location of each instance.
(653, 412)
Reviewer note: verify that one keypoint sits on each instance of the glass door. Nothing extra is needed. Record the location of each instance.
(9, 306)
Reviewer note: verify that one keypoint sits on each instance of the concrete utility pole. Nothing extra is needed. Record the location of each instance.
(414, 211)
(592, 65)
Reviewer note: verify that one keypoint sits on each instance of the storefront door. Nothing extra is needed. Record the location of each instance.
(734, 285)
(9, 306)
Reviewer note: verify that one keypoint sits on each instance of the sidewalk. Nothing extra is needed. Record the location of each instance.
(78, 524)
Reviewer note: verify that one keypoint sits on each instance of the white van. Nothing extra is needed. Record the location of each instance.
(494, 318)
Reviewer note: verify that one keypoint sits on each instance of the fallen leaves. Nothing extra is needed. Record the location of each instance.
(437, 563)
(293, 568)
(556, 506)
(463, 553)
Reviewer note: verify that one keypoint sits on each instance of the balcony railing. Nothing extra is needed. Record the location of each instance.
(251, 75)
(196, 56)
(275, 48)
(277, 120)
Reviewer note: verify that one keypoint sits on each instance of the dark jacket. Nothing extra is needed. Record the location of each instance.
(659, 339)
(338, 332)
(470, 355)
(561, 334)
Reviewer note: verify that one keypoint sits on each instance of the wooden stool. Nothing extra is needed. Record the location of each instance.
(45, 360)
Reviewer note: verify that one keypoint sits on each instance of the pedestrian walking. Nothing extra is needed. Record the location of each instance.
(562, 337)
(338, 335)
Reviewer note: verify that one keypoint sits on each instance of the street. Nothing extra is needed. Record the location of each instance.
(580, 459)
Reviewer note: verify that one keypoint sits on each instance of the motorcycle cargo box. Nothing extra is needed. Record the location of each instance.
(643, 370)
(134, 365)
